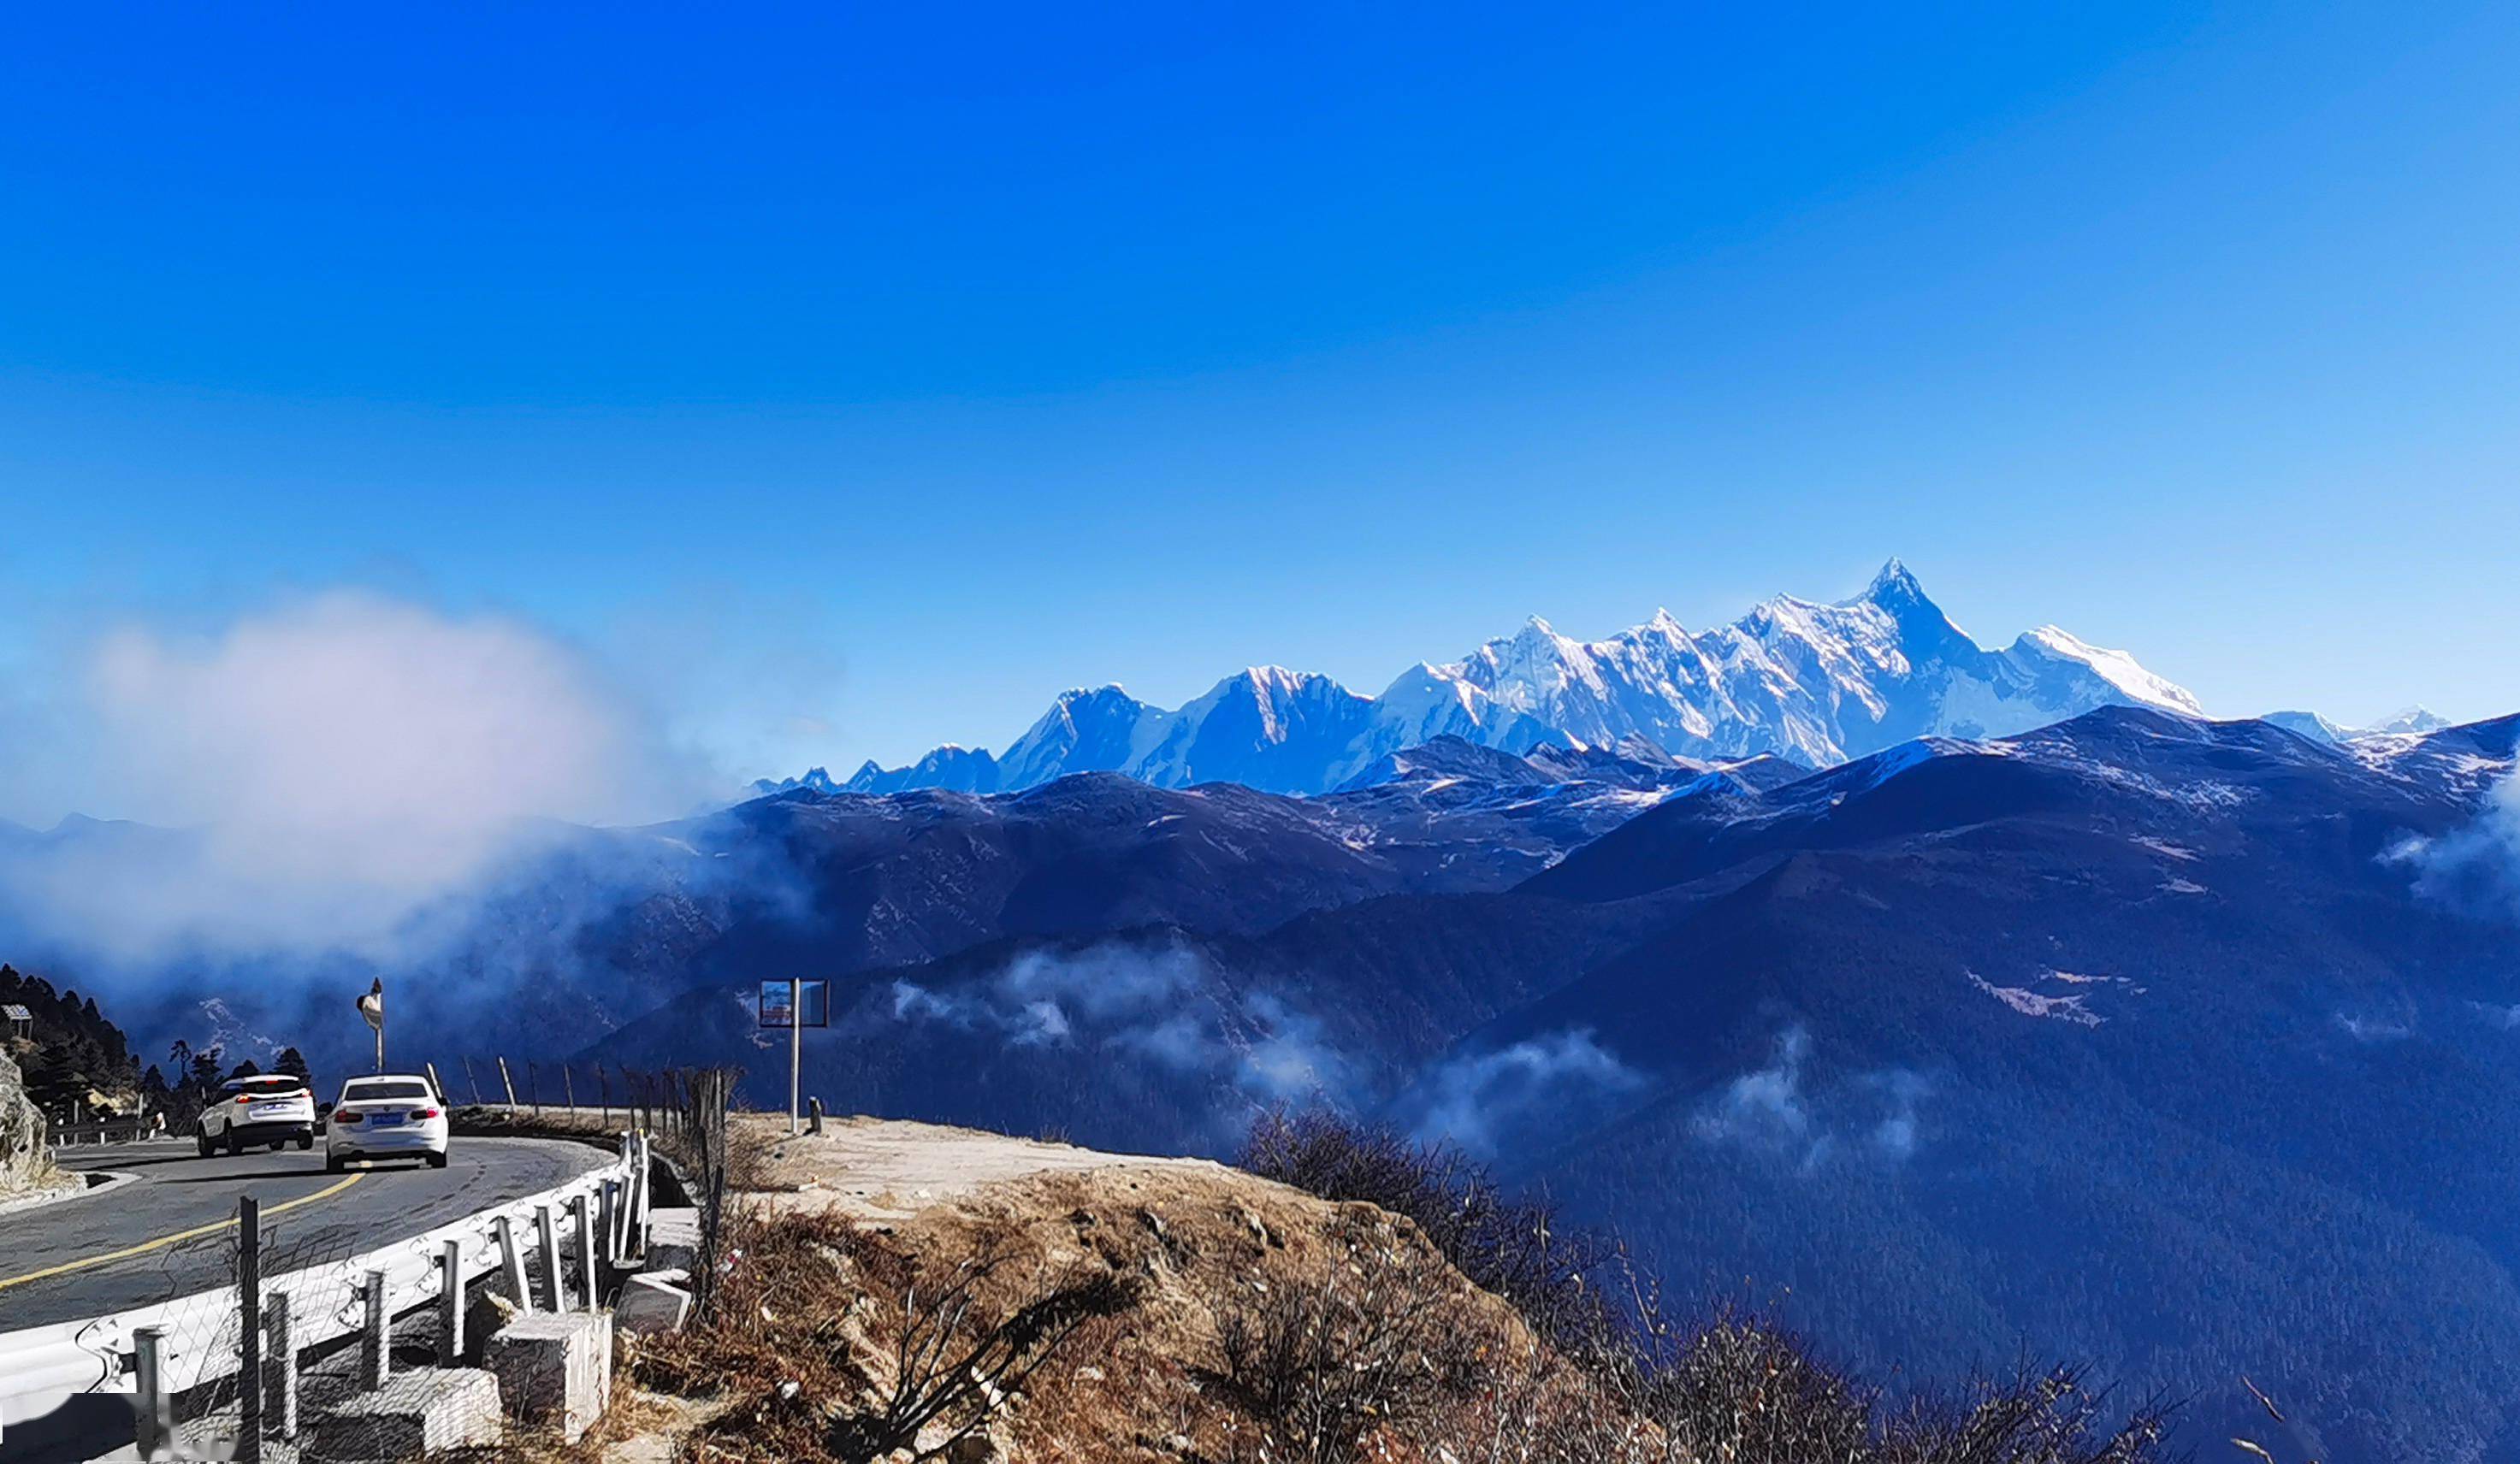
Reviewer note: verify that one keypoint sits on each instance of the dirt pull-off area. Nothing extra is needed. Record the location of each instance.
(891, 1170)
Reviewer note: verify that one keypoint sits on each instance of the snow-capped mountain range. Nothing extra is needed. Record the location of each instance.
(1818, 684)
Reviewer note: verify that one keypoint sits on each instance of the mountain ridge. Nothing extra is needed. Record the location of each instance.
(1816, 682)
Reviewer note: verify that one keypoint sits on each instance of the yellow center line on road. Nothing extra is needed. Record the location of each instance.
(178, 1238)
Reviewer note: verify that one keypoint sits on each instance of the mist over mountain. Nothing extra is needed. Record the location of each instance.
(1817, 683)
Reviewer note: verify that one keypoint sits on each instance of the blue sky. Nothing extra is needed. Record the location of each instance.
(848, 380)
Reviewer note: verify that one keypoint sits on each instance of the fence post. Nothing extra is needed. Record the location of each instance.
(512, 1264)
(568, 1089)
(249, 1329)
(156, 1426)
(435, 1085)
(647, 1198)
(534, 1086)
(471, 1082)
(582, 1222)
(507, 1082)
(608, 1220)
(816, 1109)
(551, 1293)
(376, 1340)
(280, 1364)
(450, 1303)
(604, 1086)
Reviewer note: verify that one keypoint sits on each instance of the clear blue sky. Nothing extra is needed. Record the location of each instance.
(859, 376)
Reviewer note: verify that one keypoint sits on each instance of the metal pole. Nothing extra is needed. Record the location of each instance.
(155, 1427)
(796, 1054)
(375, 1341)
(512, 1264)
(281, 1362)
(582, 1221)
(508, 1082)
(450, 1304)
(249, 1328)
(551, 1290)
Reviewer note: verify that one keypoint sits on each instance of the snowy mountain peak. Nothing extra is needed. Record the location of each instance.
(1894, 582)
(1817, 682)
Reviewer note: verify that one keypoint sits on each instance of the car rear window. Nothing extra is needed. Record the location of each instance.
(263, 1086)
(363, 1092)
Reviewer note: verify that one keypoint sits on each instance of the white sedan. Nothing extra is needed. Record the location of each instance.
(387, 1118)
(271, 1109)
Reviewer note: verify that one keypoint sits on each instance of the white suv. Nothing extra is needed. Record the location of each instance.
(387, 1118)
(272, 1109)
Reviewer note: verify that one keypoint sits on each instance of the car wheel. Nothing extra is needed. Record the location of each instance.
(201, 1142)
(437, 1161)
(279, 1144)
(305, 1141)
(334, 1164)
(236, 1142)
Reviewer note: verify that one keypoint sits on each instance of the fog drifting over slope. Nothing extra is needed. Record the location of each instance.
(317, 770)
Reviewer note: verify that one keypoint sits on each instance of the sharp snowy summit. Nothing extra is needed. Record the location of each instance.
(1818, 684)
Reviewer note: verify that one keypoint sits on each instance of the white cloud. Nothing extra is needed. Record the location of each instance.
(334, 764)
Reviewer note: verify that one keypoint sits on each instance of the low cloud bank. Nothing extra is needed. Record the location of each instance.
(1778, 1110)
(1158, 1006)
(1484, 1102)
(318, 773)
(2476, 868)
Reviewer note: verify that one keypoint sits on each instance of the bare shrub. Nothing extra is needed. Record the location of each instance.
(954, 1362)
(828, 1343)
(1514, 1247)
(1314, 1363)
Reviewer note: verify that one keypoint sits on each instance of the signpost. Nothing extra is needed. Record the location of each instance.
(796, 1004)
(372, 1006)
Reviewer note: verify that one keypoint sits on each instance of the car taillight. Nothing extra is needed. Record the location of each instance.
(424, 1113)
(245, 1097)
(345, 1116)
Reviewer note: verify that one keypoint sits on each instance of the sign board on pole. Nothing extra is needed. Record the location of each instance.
(780, 997)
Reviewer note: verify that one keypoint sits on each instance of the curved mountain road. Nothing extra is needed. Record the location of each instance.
(170, 1232)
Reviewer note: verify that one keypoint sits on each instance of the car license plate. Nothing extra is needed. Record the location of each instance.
(270, 1110)
(386, 1120)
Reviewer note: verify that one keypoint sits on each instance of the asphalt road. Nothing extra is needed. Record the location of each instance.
(171, 1232)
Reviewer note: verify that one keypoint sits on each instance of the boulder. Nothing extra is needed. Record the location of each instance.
(26, 1165)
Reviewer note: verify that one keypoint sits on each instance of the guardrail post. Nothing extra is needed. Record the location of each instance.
(508, 1082)
(376, 1340)
(608, 1221)
(582, 1222)
(155, 1429)
(249, 1329)
(450, 1303)
(280, 1364)
(512, 1264)
(550, 1289)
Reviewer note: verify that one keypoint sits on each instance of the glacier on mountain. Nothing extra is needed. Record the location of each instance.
(1813, 682)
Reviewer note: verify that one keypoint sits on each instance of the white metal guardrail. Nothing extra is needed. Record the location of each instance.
(41, 1366)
